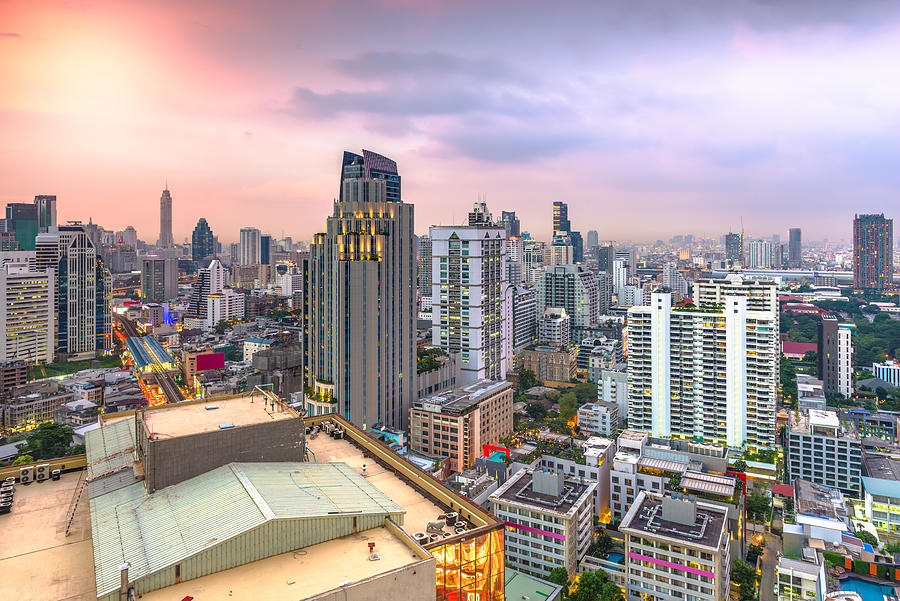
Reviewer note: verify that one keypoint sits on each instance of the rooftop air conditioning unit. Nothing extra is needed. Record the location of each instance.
(26, 474)
(42, 472)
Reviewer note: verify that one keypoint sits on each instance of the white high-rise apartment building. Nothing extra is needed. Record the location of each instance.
(533, 253)
(845, 358)
(708, 372)
(291, 283)
(673, 280)
(251, 249)
(761, 254)
(27, 316)
(223, 306)
(620, 278)
(524, 317)
(471, 299)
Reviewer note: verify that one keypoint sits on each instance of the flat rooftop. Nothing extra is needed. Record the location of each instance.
(300, 574)
(805, 421)
(35, 551)
(184, 419)
(419, 508)
(460, 400)
(819, 501)
(713, 484)
(519, 490)
(647, 517)
(884, 468)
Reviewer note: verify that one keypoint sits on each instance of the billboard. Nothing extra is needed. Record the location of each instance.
(210, 361)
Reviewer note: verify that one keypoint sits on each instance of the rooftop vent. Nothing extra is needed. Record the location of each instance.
(226, 426)
(210, 407)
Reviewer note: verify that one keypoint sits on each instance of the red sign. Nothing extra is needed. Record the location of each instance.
(210, 361)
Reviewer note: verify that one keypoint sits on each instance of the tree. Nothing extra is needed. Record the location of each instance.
(49, 440)
(221, 327)
(811, 357)
(23, 459)
(758, 506)
(866, 537)
(744, 576)
(568, 405)
(739, 466)
(674, 481)
(559, 576)
(536, 411)
(596, 586)
(528, 379)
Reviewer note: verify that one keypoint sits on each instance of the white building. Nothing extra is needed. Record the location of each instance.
(673, 280)
(601, 418)
(524, 321)
(612, 387)
(549, 520)
(251, 246)
(676, 547)
(554, 327)
(471, 299)
(889, 371)
(598, 454)
(845, 332)
(761, 254)
(254, 345)
(709, 372)
(533, 252)
(798, 579)
(822, 450)
(27, 316)
(291, 283)
(224, 306)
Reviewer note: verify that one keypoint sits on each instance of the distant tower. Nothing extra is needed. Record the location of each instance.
(795, 248)
(873, 259)
(46, 211)
(165, 219)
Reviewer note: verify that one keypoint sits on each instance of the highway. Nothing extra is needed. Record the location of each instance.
(161, 377)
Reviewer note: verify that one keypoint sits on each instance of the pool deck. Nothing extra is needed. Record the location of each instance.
(870, 579)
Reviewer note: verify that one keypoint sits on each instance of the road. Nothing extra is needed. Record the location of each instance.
(160, 376)
(769, 562)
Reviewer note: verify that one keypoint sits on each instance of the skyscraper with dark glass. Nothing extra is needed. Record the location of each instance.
(371, 165)
(734, 248)
(22, 219)
(265, 249)
(795, 259)
(562, 226)
(512, 224)
(203, 242)
(873, 260)
(361, 300)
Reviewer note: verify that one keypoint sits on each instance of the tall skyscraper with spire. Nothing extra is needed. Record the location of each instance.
(165, 219)
(361, 299)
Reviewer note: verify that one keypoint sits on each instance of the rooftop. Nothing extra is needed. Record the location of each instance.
(708, 483)
(518, 489)
(884, 468)
(646, 516)
(460, 400)
(520, 585)
(809, 421)
(819, 501)
(35, 550)
(278, 577)
(805, 567)
(157, 530)
(184, 419)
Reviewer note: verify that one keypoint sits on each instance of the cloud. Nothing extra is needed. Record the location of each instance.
(10, 34)
(432, 66)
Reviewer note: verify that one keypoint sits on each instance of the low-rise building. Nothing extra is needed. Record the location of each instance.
(881, 492)
(549, 520)
(459, 422)
(252, 345)
(12, 374)
(551, 364)
(600, 417)
(30, 405)
(822, 511)
(443, 375)
(822, 449)
(598, 453)
(801, 578)
(677, 547)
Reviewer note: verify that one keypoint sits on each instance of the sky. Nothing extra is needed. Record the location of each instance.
(649, 118)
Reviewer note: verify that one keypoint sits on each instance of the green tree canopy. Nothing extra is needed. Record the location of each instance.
(23, 459)
(49, 440)
(536, 410)
(559, 576)
(866, 537)
(528, 379)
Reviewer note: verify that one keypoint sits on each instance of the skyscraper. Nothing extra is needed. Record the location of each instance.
(203, 242)
(760, 255)
(573, 288)
(21, 217)
(561, 217)
(511, 223)
(361, 299)
(605, 257)
(45, 207)
(593, 239)
(250, 246)
(795, 260)
(159, 278)
(265, 249)
(165, 219)
(371, 165)
(734, 248)
(471, 298)
(72, 256)
(423, 260)
(722, 391)
(210, 280)
(873, 259)
(27, 315)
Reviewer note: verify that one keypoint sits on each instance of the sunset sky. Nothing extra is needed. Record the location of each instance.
(649, 118)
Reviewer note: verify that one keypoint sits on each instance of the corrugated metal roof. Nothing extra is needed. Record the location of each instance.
(110, 446)
(158, 530)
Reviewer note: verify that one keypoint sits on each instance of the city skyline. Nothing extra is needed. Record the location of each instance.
(727, 112)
